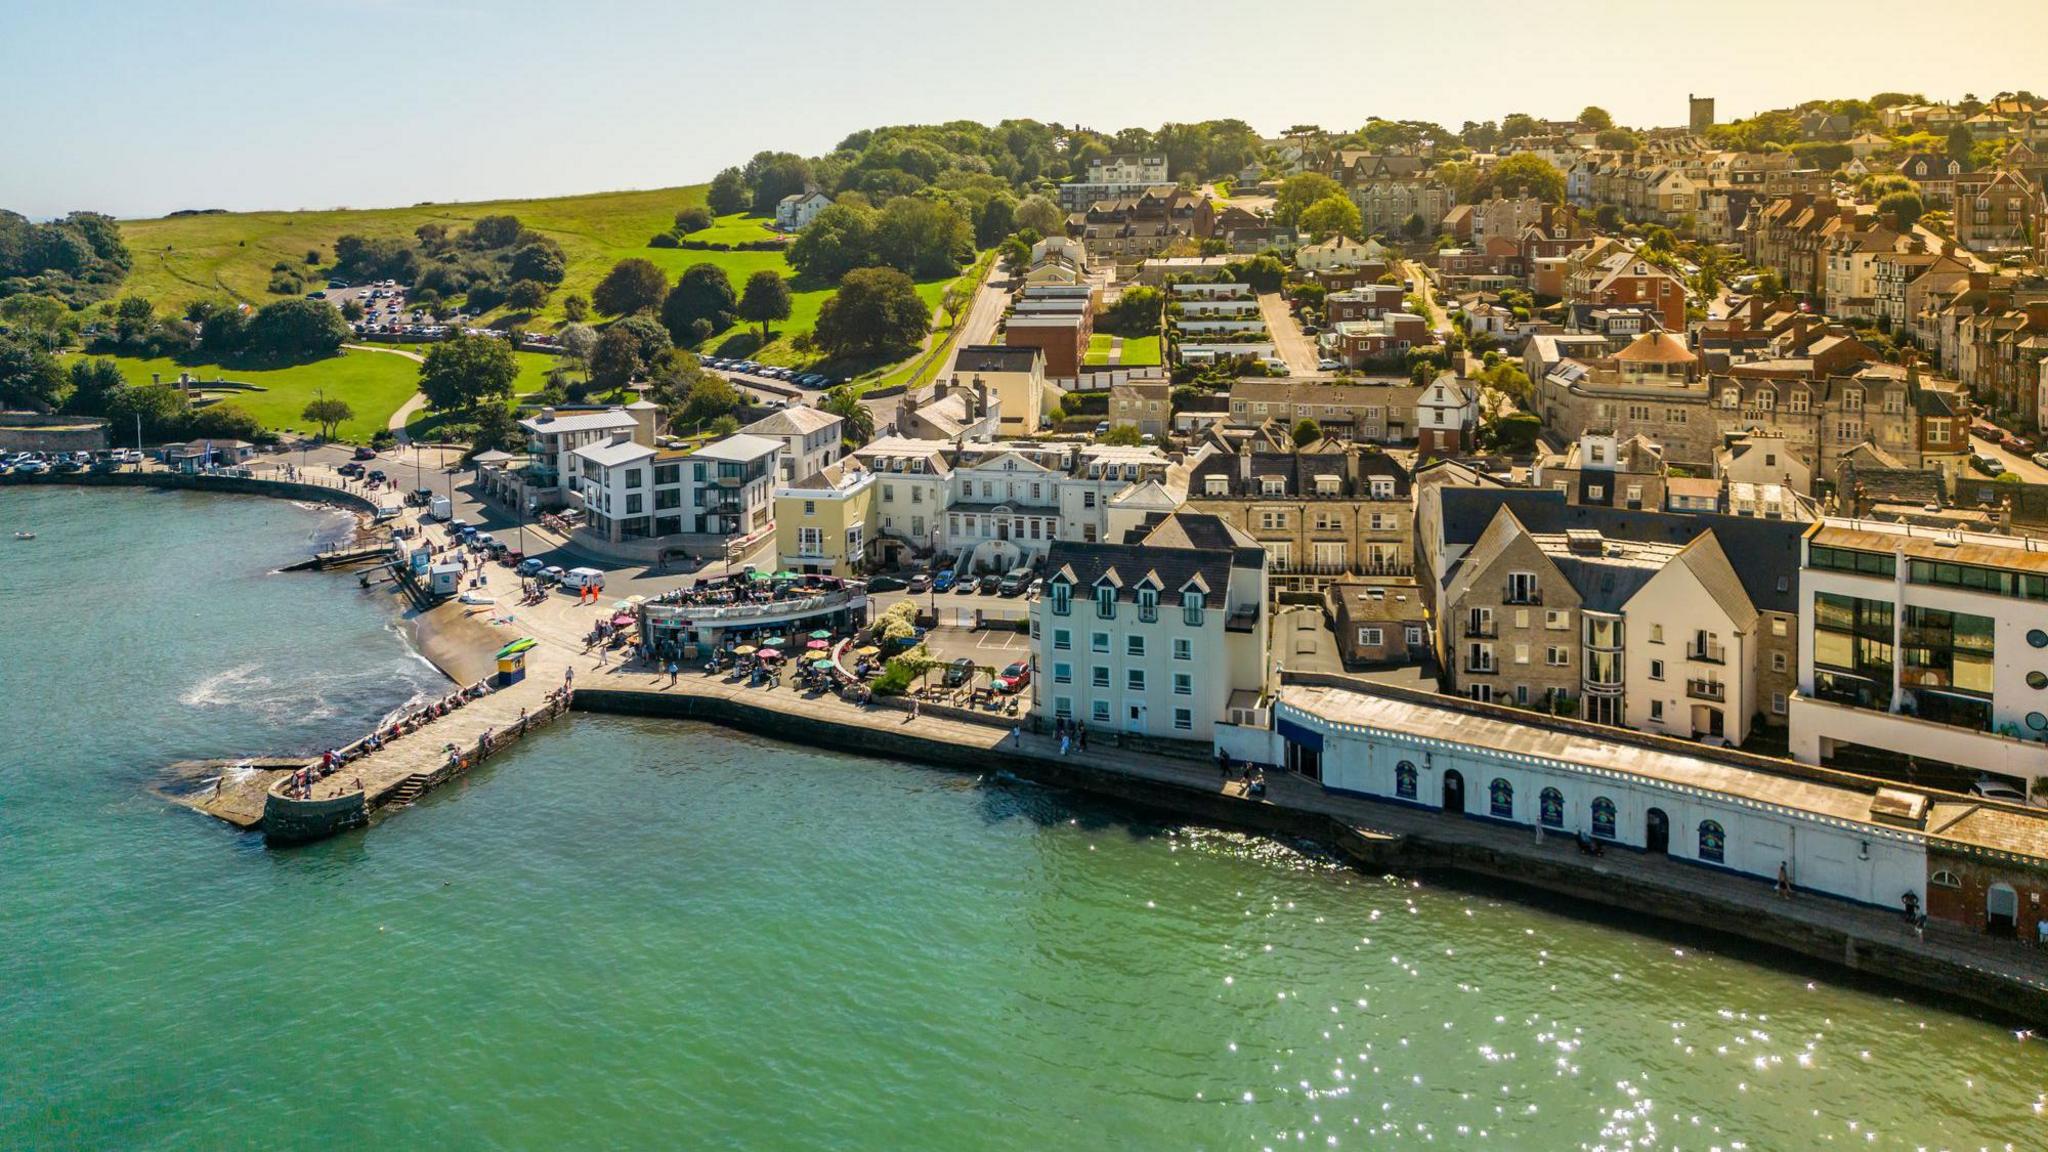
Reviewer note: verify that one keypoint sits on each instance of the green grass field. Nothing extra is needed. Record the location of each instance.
(1138, 351)
(186, 258)
(373, 383)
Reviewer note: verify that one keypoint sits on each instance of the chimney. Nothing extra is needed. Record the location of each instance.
(546, 414)
(939, 389)
(1244, 463)
(621, 436)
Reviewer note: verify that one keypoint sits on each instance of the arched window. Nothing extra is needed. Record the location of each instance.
(1945, 879)
(1500, 798)
(1404, 780)
(1713, 842)
(1552, 805)
(1603, 818)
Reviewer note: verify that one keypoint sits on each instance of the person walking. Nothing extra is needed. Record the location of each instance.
(1066, 742)
(1081, 732)
(1784, 882)
(1016, 736)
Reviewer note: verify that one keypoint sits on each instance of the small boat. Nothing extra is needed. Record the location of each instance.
(476, 598)
(24, 535)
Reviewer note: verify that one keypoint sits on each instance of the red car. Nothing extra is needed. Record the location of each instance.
(1015, 678)
(366, 454)
(2016, 443)
(1984, 431)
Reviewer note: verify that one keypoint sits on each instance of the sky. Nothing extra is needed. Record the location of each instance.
(141, 107)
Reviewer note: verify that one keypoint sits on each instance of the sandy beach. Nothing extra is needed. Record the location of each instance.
(458, 639)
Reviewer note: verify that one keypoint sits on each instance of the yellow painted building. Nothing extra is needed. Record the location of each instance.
(822, 522)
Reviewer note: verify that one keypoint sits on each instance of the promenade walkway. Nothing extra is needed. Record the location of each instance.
(1685, 886)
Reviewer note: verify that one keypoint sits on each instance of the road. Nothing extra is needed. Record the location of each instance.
(1288, 340)
(2021, 465)
(1419, 276)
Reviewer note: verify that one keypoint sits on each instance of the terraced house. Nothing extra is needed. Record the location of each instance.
(1324, 511)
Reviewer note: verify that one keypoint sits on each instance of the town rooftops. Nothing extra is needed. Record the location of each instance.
(739, 447)
(549, 422)
(1180, 553)
(799, 421)
(996, 358)
(1656, 348)
(612, 453)
(2017, 553)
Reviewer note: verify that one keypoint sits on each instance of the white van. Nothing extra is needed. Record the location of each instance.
(577, 579)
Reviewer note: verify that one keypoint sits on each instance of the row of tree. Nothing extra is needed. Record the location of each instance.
(79, 258)
(32, 378)
(699, 305)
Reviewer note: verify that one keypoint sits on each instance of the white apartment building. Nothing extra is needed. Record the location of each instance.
(631, 491)
(911, 488)
(810, 439)
(553, 438)
(1164, 638)
(1923, 647)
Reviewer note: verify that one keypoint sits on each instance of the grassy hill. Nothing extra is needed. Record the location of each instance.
(185, 258)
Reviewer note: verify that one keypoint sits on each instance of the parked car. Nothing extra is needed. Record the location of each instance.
(2040, 458)
(1328, 365)
(918, 583)
(1988, 465)
(966, 585)
(1014, 678)
(1276, 366)
(350, 469)
(989, 584)
(2015, 443)
(1983, 431)
(374, 476)
(531, 566)
(552, 574)
(1998, 790)
(959, 672)
(1013, 584)
(943, 580)
(364, 453)
(887, 584)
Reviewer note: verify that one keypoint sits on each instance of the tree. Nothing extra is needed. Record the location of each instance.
(1264, 272)
(527, 295)
(1960, 142)
(923, 237)
(631, 286)
(1306, 432)
(1516, 125)
(1595, 117)
(729, 193)
(1523, 174)
(765, 299)
(773, 175)
(1299, 191)
(1608, 218)
(1905, 207)
(704, 292)
(539, 261)
(858, 422)
(1039, 213)
(1516, 432)
(1618, 140)
(1331, 216)
(995, 220)
(876, 311)
(500, 231)
(576, 308)
(626, 349)
(1135, 313)
(835, 242)
(295, 330)
(496, 429)
(578, 342)
(351, 309)
(1415, 227)
(94, 384)
(694, 218)
(707, 398)
(463, 370)
(1121, 435)
(328, 414)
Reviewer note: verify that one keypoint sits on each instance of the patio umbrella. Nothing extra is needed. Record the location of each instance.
(746, 650)
(822, 662)
(622, 620)
(821, 634)
(867, 650)
(786, 574)
(623, 606)
(770, 654)
(774, 642)
(815, 645)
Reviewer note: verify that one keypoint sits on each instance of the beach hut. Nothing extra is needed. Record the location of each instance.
(512, 661)
(446, 579)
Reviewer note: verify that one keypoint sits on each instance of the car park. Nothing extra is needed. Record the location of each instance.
(1014, 583)
(965, 585)
(887, 584)
(919, 582)
(989, 583)
(943, 580)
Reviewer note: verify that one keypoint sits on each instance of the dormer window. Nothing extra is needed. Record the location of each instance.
(1105, 601)
(1148, 605)
(1382, 488)
(1062, 597)
(1852, 400)
(1272, 486)
(1216, 485)
(1191, 608)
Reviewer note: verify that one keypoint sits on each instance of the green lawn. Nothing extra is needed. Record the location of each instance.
(1138, 351)
(373, 383)
(186, 258)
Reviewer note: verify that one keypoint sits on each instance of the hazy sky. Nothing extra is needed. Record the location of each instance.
(138, 107)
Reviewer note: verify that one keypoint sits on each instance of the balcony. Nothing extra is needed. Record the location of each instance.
(1487, 629)
(1524, 596)
(1707, 654)
(1486, 668)
(1711, 690)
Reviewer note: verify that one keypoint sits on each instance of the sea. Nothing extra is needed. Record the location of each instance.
(647, 934)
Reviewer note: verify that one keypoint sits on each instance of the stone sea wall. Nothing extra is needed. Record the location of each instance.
(194, 482)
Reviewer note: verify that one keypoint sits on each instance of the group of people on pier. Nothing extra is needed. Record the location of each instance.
(300, 785)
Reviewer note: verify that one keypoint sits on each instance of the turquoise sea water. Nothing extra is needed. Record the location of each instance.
(639, 934)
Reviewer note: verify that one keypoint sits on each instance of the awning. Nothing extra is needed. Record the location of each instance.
(1295, 733)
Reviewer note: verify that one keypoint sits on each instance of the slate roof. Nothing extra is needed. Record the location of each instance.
(1184, 551)
(1769, 548)
(995, 358)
